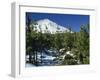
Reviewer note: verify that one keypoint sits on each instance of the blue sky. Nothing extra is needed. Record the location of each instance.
(72, 20)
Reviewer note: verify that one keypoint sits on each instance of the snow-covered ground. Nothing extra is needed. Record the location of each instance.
(47, 60)
(29, 65)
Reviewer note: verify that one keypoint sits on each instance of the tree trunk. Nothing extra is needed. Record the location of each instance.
(81, 58)
(30, 58)
(41, 56)
(36, 59)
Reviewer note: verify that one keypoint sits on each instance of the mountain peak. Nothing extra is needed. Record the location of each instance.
(44, 21)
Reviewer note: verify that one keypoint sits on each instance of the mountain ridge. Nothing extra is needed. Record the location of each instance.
(45, 25)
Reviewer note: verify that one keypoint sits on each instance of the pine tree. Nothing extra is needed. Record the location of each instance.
(83, 44)
(68, 39)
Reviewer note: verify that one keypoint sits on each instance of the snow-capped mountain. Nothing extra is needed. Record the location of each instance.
(45, 25)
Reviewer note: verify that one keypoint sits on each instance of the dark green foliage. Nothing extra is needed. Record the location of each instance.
(83, 44)
(77, 43)
(69, 60)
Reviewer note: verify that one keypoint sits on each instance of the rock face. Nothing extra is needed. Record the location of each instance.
(46, 25)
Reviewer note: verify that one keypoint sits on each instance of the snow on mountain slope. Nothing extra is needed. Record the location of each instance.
(50, 26)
